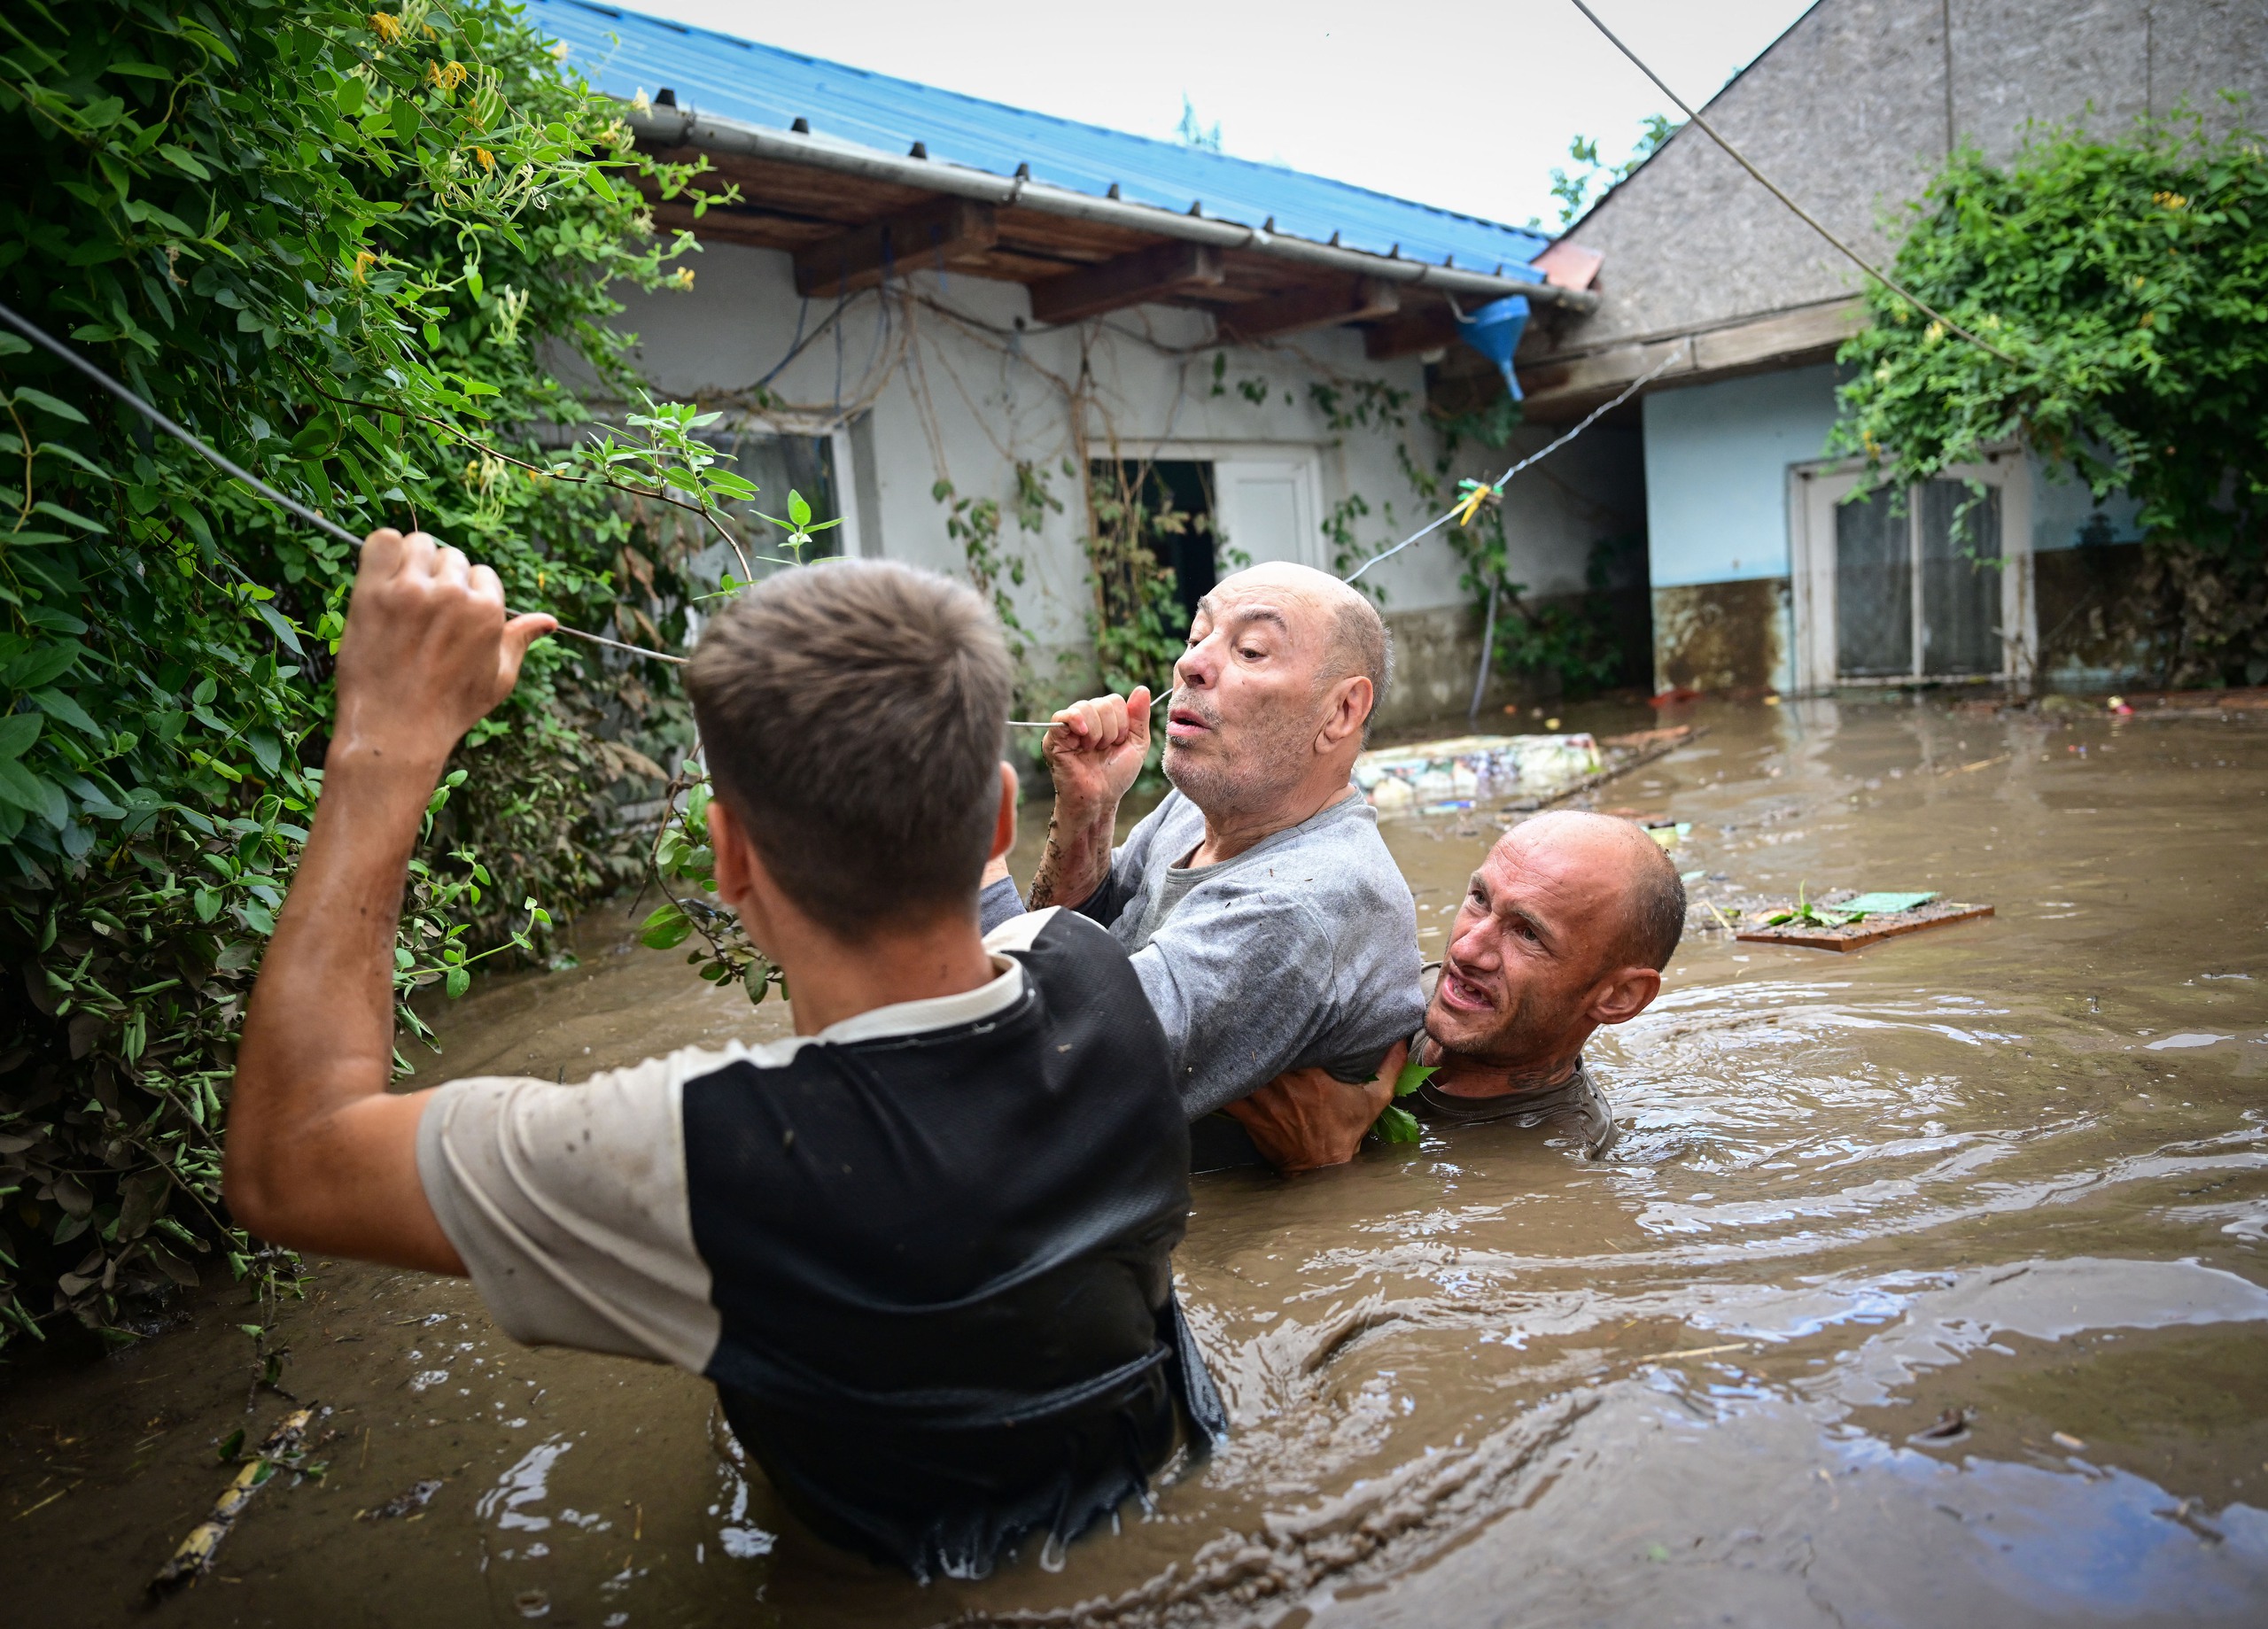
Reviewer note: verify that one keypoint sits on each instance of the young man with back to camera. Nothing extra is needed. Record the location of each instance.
(923, 1248)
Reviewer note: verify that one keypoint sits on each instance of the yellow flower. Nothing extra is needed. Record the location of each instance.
(363, 262)
(386, 26)
(684, 277)
(487, 159)
(445, 77)
(2168, 201)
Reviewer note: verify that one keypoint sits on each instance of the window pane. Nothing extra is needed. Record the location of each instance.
(1961, 579)
(1874, 589)
(780, 465)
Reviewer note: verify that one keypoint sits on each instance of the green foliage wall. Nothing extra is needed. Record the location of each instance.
(2126, 284)
(343, 246)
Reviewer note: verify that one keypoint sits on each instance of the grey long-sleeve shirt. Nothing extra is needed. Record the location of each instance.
(1300, 952)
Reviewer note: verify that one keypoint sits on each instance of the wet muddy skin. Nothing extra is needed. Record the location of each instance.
(2010, 1175)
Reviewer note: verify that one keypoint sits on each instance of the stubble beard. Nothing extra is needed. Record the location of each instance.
(1528, 1034)
(1225, 780)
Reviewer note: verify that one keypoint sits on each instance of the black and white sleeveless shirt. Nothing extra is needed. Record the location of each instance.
(925, 1254)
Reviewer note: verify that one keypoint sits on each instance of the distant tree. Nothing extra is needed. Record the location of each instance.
(1205, 138)
(1573, 189)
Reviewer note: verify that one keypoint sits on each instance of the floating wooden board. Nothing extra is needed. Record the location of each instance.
(1874, 930)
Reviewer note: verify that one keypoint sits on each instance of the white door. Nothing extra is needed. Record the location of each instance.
(1930, 584)
(1265, 509)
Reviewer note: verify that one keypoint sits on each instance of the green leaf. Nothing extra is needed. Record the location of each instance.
(233, 1444)
(32, 794)
(185, 161)
(799, 511)
(599, 183)
(280, 627)
(43, 665)
(17, 731)
(55, 704)
(666, 928)
(1413, 1075)
(50, 405)
(1396, 1124)
(456, 982)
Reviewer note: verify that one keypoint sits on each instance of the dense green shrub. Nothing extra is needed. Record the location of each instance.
(2125, 284)
(345, 247)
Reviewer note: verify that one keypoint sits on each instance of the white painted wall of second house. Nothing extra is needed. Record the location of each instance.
(943, 384)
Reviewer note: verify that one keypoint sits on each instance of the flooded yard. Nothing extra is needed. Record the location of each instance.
(1926, 1286)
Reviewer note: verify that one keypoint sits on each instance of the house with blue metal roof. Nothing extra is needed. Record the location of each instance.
(1020, 348)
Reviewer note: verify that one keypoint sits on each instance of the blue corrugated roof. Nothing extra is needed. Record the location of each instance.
(621, 52)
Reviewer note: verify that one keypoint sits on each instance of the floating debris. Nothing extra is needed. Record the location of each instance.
(1440, 776)
(1951, 1426)
(1843, 921)
(195, 1556)
(1444, 776)
(414, 1498)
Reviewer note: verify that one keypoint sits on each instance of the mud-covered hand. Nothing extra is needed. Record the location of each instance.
(427, 649)
(1096, 747)
(1306, 1119)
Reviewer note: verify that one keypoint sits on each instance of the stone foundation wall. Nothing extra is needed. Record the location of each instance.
(1717, 637)
(2078, 591)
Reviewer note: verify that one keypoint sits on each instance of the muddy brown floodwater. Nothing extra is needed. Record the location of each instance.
(2011, 1177)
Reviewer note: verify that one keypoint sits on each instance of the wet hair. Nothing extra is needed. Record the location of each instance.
(854, 714)
(1656, 907)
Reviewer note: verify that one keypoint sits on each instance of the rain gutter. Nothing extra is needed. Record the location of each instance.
(666, 127)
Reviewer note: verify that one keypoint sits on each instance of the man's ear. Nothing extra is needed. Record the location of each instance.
(1351, 700)
(1004, 825)
(742, 881)
(1622, 994)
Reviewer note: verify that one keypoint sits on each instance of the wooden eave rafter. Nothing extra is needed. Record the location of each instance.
(845, 231)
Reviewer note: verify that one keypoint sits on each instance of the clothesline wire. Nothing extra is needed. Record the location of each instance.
(1589, 419)
(1800, 212)
(47, 341)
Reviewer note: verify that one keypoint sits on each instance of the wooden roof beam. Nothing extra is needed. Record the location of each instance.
(1144, 277)
(1429, 328)
(940, 230)
(1303, 310)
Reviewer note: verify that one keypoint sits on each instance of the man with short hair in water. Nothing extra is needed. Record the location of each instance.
(1565, 926)
(922, 1247)
(1265, 918)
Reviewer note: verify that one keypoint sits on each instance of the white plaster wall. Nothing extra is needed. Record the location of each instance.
(965, 401)
(932, 398)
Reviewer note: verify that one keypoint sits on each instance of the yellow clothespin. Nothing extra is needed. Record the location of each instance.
(1476, 493)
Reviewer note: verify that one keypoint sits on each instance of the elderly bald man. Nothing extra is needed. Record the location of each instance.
(1270, 927)
(1566, 926)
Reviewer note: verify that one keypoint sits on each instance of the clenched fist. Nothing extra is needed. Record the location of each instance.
(427, 649)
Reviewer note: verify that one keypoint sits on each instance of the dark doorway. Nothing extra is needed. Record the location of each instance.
(1168, 503)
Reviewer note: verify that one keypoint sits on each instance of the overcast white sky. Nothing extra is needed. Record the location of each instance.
(1450, 102)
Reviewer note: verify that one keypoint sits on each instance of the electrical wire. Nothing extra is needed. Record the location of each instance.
(1801, 214)
(47, 342)
(1589, 419)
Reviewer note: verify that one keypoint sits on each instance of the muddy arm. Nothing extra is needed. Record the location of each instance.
(320, 1155)
(1306, 1119)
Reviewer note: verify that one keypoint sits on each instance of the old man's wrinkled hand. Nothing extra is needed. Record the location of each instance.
(1096, 748)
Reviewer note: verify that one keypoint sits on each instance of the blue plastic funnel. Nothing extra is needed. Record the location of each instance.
(1494, 331)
